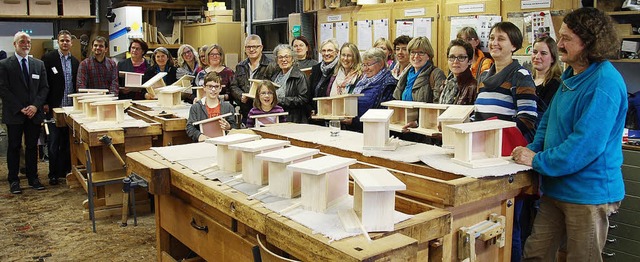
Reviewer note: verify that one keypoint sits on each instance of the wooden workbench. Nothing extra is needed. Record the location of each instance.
(173, 121)
(470, 200)
(185, 201)
(105, 165)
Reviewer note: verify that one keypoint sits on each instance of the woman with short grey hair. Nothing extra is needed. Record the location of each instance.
(292, 94)
(377, 85)
(321, 73)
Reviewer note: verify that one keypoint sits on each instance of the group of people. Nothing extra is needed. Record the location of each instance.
(555, 112)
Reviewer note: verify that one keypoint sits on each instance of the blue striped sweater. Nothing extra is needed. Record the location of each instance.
(495, 97)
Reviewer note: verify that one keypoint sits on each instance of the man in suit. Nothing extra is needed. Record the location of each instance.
(61, 68)
(23, 89)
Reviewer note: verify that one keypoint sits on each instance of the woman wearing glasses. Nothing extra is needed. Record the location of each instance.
(215, 60)
(347, 72)
(293, 84)
(460, 88)
(377, 85)
(479, 63)
(209, 107)
(187, 61)
(422, 82)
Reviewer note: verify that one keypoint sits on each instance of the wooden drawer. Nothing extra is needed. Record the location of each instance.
(631, 158)
(623, 245)
(13, 7)
(610, 255)
(628, 217)
(617, 229)
(212, 241)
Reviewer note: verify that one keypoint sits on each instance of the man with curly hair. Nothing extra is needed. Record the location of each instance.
(577, 147)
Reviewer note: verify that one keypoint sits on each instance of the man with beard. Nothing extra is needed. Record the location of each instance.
(98, 71)
(23, 89)
(61, 68)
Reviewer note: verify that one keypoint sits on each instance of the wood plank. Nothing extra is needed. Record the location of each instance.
(157, 175)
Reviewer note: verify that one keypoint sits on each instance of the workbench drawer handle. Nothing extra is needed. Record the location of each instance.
(614, 226)
(196, 226)
(611, 241)
(606, 254)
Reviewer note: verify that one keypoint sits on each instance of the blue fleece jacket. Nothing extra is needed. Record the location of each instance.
(579, 139)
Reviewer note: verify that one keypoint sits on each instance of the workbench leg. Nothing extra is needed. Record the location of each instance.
(507, 211)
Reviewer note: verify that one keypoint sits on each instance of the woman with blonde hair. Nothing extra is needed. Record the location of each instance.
(546, 69)
(187, 61)
(215, 62)
(348, 70)
(386, 47)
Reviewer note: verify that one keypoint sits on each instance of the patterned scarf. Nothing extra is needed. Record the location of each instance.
(366, 81)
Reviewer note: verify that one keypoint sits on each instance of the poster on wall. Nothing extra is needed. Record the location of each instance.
(541, 25)
(422, 27)
(326, 32)
(381, 29)
(485, 23)
(342, 32)
(365, 34)
(404, 28)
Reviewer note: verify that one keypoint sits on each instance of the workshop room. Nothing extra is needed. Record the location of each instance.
(320, 130)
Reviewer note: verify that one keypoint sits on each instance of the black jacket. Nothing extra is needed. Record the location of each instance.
(56, 79)
(17, 94)
(295, 99)
(240, 83)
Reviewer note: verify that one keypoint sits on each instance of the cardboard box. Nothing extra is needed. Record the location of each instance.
(624, 29)
(76, 8)
(13, 7)
(630, 46)
(43, 7)
(219, 12)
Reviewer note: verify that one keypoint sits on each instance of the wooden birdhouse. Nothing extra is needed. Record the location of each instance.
(374, 197)
(375, 127)
(77, 106)
(112, 111)
(267, 119)
(91, 111)
(155, 82)
(479, 144)
(403, 113)
(428, 118)
(228, 159)
(169, 96)
(131, 79)
(337, 107)
(200, 92)
(283, 182)
(254, 170)
(255, 84)
(325, 181)
(184, 81)
(211, 126)
(455, 114)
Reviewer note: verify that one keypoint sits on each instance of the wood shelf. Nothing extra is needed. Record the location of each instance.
(630, 36)
(626, 61)
(162, 5)
(46, 17)
(173, 46)
(617, 13)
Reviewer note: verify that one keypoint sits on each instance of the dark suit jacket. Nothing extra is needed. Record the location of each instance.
(17, 94)
(56, 81)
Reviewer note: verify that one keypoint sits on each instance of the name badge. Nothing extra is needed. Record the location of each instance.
(34, 76)
(54, 70)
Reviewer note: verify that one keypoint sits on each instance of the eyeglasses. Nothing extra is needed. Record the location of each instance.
(468, 39)
(369, 65)
(418, 53)
(266, 93)
(214, 54)
(250, 47)
(284, 57)
(212, 87)
(188, 52)
(327, 51)
(461, 58)
(346, 55)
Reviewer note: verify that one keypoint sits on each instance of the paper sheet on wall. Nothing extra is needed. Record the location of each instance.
(365, 35)
(541, 25)
(342, 32)
(485, 22)
(326, 32)
(458, 23)
(404, 28)
(381, 29)
(422, 27)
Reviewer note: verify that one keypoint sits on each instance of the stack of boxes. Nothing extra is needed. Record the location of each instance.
(217, 12)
